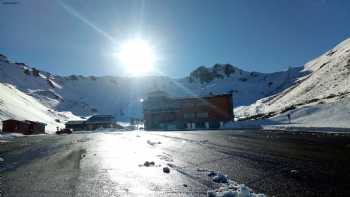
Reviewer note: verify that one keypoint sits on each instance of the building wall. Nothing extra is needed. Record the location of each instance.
(190, 113)
(13, 126)
(76, 127)
(24, 127)
(92, 126)
(36, 128)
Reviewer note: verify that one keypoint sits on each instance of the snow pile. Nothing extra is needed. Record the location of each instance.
(229, 188)
(218, 177)
(9, 136)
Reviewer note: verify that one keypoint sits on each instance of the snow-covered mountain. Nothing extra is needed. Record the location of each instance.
(121, 96)
(320, 98)
(17, 104)
(254, 93)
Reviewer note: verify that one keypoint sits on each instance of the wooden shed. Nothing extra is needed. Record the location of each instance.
(26, 127)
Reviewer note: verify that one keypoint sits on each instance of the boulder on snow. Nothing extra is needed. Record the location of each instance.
(166, 170)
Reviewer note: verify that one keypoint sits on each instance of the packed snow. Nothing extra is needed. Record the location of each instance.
(229, 188)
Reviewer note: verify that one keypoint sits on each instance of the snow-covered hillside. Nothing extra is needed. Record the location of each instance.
(320, 98)
(120, 96)
(325, 79)
(16, 104)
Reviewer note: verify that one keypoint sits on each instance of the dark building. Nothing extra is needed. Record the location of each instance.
(100, 121)
(93, 123)
(26, 127)
(164, 113)
(76, 125)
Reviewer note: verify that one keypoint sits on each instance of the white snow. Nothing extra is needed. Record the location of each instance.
(333, 116)
(9, 136)
(253, 93)
(121, 96)
(321, 97)
(220, 178)
(228, 187)
(234, 190)
(16, 104)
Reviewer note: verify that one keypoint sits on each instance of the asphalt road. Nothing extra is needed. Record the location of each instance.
(112, 164)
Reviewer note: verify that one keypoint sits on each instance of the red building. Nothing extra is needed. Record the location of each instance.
(26, 127)
(164, 113)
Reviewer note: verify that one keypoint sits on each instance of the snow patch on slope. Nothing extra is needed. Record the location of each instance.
(319, 98)
(16, 104)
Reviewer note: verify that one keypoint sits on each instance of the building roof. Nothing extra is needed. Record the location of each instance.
(157, 93)
(35, 122)
(201, 97)
(25, 121)
(195, 97)
(75, 122)
(100, 118)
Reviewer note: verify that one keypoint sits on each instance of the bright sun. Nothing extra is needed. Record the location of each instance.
(137, 56)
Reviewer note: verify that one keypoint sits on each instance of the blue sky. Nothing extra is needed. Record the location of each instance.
(255, 35)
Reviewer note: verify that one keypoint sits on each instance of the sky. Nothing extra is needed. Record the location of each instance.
(82, 36)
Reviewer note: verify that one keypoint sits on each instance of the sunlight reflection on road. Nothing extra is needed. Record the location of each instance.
(123, 156)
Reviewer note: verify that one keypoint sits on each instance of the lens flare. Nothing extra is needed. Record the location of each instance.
(137, 56)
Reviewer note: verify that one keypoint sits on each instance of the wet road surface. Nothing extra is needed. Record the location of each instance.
(113, 163)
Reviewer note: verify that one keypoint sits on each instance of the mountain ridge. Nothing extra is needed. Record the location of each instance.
(253, 92)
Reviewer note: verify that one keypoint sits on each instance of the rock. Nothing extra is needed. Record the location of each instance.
(149, 163)
(166, 170)
(212, 173)
(211, 194)
(294, 171)
(220, 178)
(153, 143)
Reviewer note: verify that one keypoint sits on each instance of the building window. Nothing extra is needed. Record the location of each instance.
(207, 125)
(189, 105)
(188, 115)
(202, 115)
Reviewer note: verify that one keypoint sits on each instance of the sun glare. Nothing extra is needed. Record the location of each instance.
(137, 56)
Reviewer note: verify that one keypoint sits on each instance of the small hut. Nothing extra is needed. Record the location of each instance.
(26, 127)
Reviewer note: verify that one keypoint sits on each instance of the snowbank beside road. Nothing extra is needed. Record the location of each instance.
(9, 136)
(334, 114)
(322, 117)
(331, 116)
